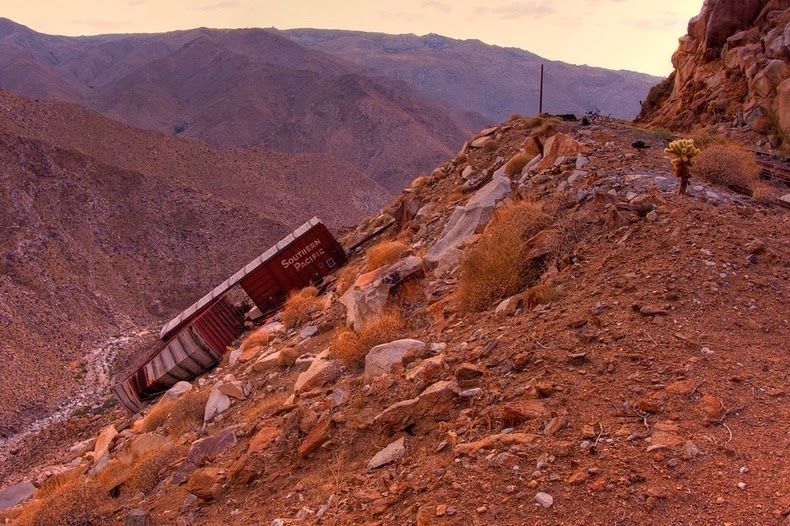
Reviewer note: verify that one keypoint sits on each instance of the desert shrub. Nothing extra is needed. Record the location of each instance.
(256, 339)
(662, 133)
(384, 253)
(75, 503)
(495, 267)
(765, 192)
(299, 306)
(540, 295)
(157, 415)
(177, 415)
(517, 163)
(287, 357)
(187, 412)
(346, 279)
(727, 165)
(351, 347)
(490, 145)
(145, 471)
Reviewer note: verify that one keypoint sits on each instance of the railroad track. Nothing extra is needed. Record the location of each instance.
(773, 167)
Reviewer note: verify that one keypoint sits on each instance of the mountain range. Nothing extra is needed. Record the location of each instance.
(365, 98)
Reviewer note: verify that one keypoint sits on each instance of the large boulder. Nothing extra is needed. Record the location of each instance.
(218, 402)
(559, 145)
(203, 449)
(16, 494)
(465, 220)
(727, 17)
(383, 358)
(368, 296)
(321, 372)
(435, 400)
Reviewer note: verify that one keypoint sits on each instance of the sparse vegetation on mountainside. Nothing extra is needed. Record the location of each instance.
(300, 306)
(727, 165)
(351, 347)
(384, 253)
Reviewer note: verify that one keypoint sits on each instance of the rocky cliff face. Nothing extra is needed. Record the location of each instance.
(731, 70)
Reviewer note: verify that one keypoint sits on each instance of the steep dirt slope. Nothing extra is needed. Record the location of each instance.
(494, 81)
(106, 229)
(731, 73)
(635, 378)
(241, 88)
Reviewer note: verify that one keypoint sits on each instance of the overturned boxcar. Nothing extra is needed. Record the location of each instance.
(195, 340)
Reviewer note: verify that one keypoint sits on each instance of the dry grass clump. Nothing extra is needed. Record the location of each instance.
(75, 503)
(351, 347)
(256, 339)
(158, 414)
(495, 267)
(727, 165)
(300, 306)
(348, 276)
(145, 472)
(541, 295)
(384, 253)
(177, 415)
(517, 163)
(287, 356)
(765, 192)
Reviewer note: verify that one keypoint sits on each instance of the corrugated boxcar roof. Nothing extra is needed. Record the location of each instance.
(207, 300)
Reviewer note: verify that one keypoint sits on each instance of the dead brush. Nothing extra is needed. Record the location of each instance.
(351, 347)
(145, 471)
(540, 295)
(765, 192)
(517, 163)
(300, 306)
(495, 267)
(177, 415)
(727, 165)
(78, 502)
(384, 253)
(348, 276)
(261, 408)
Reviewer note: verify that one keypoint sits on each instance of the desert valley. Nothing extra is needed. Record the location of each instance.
(575, 317)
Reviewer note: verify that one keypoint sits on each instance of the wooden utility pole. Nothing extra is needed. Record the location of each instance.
(540, 109)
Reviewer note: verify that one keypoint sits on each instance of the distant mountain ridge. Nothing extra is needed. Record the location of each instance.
(492, 80)
(363, 97)
(246, 87)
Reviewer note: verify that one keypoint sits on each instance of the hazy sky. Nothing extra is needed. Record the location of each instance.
(639, 35)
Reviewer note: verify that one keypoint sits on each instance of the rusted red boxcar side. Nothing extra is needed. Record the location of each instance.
(306, 258)
(192, 350)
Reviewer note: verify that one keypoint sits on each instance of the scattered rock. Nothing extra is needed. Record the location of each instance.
(465, 220)
(544, 499)
(436, 399)
(218, 402)
(177, 391)
(368, 296)
(494, 442)
(203, 449)
(16, 494)
(383, 358)
(233, 389)
(205, 483)
(263, 439)
(321, 372)
(310, 330)
(394, 451)
(137, 517)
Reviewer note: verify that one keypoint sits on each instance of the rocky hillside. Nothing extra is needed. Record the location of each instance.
(491, 80)
(732, 71)
(106, 229)
(247, 87)
(553, 339)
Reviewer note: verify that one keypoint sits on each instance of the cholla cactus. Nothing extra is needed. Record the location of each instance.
(684, 152)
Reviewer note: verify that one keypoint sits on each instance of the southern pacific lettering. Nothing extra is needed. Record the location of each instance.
(304, 257)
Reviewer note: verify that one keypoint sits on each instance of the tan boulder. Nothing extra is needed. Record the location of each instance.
(263, 439)
(206, 483)
(559, 145)
(321, 372)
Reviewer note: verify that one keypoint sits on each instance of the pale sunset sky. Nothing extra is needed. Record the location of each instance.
(638, 35)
